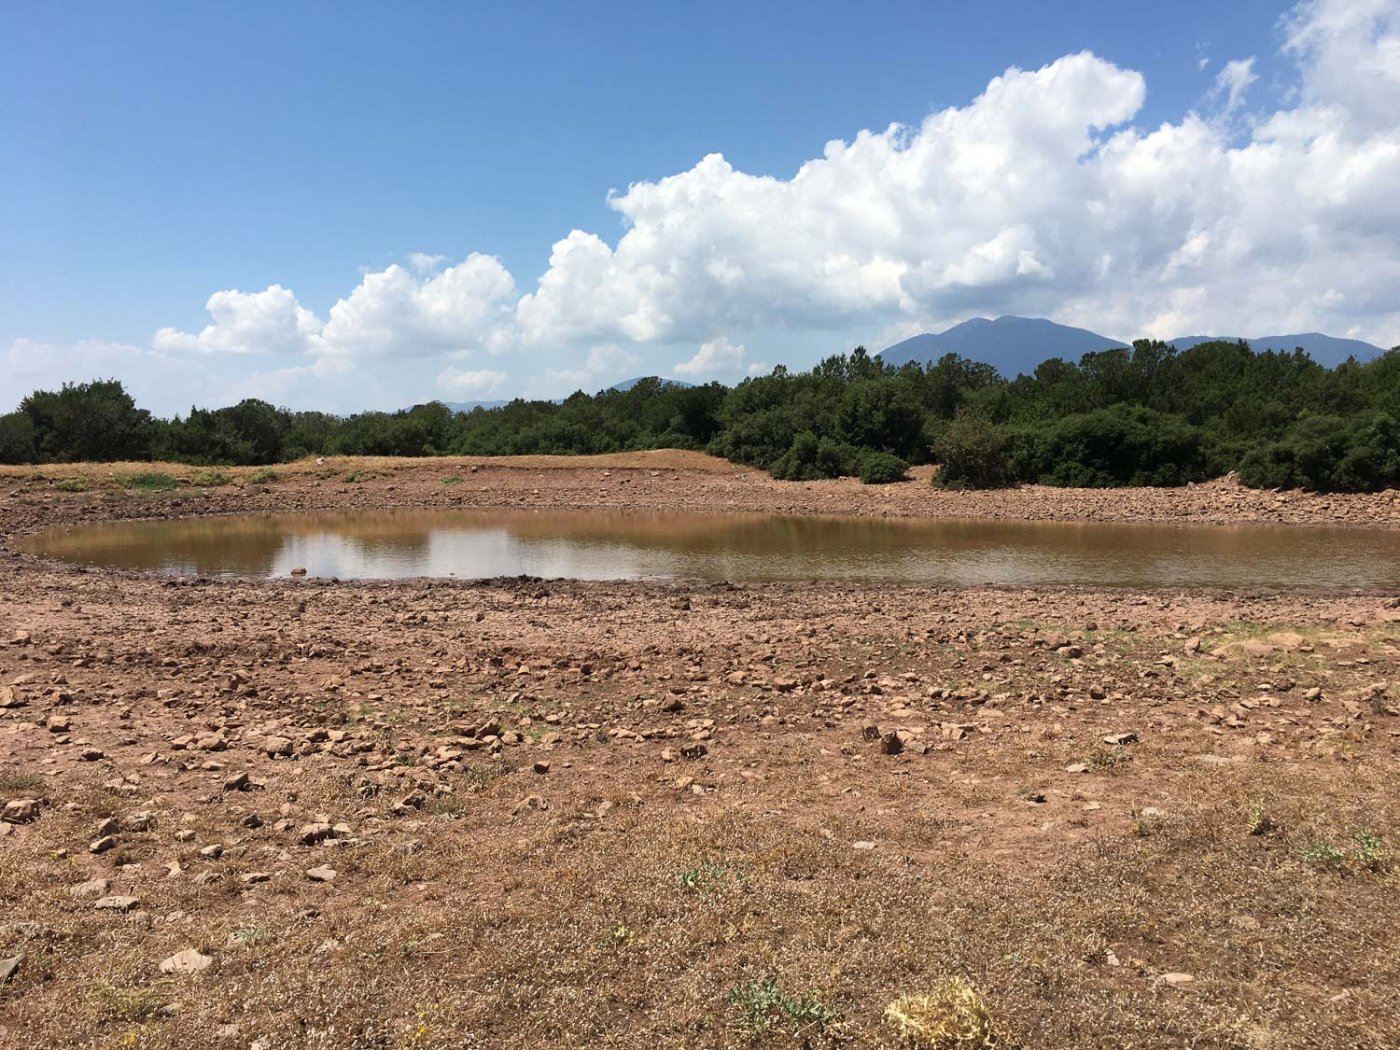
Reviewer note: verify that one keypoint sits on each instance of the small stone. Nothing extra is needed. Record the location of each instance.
(20, 811)
(1077, 767)
(862, 845)
(1119, 739)
(237, 782)
(8, 967)
(213, 852)
(541, 766)
(311, 834)
(142, 821)
(92, 754)
(1177, 979)
(91, 888)
(108, 827)
(191, 960)
(277, 747)
(103, 844)
(298, 571)
(252, 878)
(122, 904)
(323, 873)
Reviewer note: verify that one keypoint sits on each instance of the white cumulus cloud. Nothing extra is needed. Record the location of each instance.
(458, 383)
(716, 357)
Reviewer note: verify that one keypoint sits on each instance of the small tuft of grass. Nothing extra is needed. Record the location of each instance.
(759, 1006)
(153, 482)
(16, 782)
(127, 1004)
(1259, 822)
(1371, 852)
(211, 478)
(354, 477)
(951, 1017)
(72, 485)
(703, 878)
(1325, 855)
(262, 476)
(455, 479)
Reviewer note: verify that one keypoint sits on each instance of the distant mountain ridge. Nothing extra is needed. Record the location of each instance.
(1326, 350)
(1012, 345)
(1016, 345)
(622, 387)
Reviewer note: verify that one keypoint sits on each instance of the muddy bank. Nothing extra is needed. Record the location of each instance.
(35, 498)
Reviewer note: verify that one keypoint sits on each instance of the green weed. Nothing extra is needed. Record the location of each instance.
(758, 1006)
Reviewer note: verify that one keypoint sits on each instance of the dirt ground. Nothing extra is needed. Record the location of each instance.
(518, 813)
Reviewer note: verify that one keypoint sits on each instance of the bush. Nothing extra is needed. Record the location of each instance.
(883, 468)
(1114, 446)
(810, 458)
(972, 454)
(150, 482)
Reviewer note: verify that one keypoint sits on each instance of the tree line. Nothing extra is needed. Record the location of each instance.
(1148, 415)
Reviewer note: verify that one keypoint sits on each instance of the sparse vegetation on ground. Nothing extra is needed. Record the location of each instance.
(525, 813)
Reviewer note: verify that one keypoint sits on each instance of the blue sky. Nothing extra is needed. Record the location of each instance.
(153, 155)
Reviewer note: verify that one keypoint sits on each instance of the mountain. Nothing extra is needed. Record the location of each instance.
(1011, 344)
(1326, 350)
(628, 384)
(467, 406)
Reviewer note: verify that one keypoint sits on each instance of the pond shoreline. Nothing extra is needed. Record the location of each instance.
(499, 808)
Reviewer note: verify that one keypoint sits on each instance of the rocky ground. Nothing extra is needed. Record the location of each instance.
(551, 814)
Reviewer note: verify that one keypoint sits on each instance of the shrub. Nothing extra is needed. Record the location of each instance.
(1121, 445)
(883, 468)
(151, 482)
(971, 454)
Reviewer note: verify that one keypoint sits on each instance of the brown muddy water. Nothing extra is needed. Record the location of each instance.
(626, 545)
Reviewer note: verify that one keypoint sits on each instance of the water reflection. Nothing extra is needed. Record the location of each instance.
(658, 545)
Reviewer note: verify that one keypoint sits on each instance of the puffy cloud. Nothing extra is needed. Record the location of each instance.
(398, 313)
(468, 384)
(423, 262)
(716, 357)
(266, 322)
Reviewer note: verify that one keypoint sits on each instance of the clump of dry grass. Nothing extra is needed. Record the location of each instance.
(951, 1017)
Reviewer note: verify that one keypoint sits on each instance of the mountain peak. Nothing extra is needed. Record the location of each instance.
(1010, 343)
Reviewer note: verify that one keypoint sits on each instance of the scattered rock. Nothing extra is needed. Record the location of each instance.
(8, 968)
(91, 888)
(1077, 767)
(1119, 739)
(541, 766)
(122, 904)
(20, 811)
(277, 747)
(191, 960)
(1176, 979)
(323, 873)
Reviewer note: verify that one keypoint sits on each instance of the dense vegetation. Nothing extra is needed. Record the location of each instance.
(1145, 416)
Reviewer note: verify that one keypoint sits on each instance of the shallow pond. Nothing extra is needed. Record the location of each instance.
(608, 545)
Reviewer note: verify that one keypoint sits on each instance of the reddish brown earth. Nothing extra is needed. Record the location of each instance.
(528, 814)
